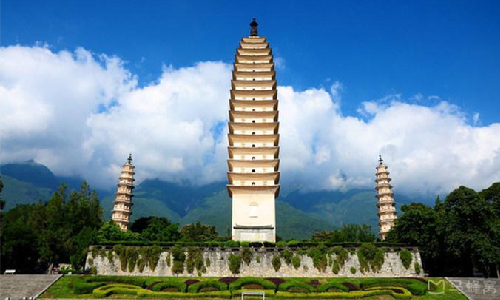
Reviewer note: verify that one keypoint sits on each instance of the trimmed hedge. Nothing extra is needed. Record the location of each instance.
(416, 287)
(196, 287)
(179, 285)
(138, 281)
(107, 290)
(81, 287)
(240, 282)
(341, 295)
(286, 286)
(150, 294)
(332, 285)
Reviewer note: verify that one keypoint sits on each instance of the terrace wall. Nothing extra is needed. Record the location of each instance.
(258, 267)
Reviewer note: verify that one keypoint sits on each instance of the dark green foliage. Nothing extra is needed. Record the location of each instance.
(319, 256)
(234, 263)
(370, 257)
(329, 286)
(110, 231)
(178, 257)
(353, 270)
(246, 255)
(416, 266)
(34, 236)
(80, 287)
(170, 283)
(132, 256)
(406, 258)
(296, 285)
(276, 263)
(287, 255)
(198, 232)
(156, 229)
(241, 282)
(465, 228)
(296, 262)
(196, 287)
(194, 260)
(347, 233)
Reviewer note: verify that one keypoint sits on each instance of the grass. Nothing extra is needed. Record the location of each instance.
(63, 289)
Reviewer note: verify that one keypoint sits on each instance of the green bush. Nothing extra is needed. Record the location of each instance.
(242, 281)
(151, 294)
(246, 255)
(341, 255)
(416, 287)
(234, 263)
(287, 255)
(296, 262)
(406, 258)
(171, 283)
(276, 263)
(326, 287)
(231, 244)
(105, 291)
(336, 267)
(293, 284)
(353, 270)
(318, 254)
(196, 287)
(416, 266)
(340, 295)
(370, 257)
(137, 281)
(80, 287)
(179, 257)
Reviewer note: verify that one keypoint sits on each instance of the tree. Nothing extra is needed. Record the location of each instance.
(351, 233)
(110, 231)
(156, 229)
(198, 233)
(2, 202)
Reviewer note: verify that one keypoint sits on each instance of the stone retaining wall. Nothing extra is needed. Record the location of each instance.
(260, 265)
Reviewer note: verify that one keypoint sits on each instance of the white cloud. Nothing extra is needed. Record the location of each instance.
(82, 114)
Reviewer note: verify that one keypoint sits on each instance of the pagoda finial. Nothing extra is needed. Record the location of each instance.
(129, 159)
(253, 31)
(380, 159)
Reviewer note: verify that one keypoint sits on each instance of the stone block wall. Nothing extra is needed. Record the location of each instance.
(216, 263)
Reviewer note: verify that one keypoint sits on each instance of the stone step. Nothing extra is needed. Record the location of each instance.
(18, 286)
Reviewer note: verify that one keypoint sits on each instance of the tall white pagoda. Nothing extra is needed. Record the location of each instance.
(123, 201)
(253, 141)
(386, 205)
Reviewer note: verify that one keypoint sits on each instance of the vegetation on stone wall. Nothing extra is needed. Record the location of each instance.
(406, 258)
(370, 258)
(276, 261)
(319, 257)
(178, 260)
(246, 255)
(234, 263)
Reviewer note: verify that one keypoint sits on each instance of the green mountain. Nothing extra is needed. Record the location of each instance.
(298, 213)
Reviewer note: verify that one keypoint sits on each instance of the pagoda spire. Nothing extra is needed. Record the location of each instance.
(123, 200)
(385, 204)
(254, 24)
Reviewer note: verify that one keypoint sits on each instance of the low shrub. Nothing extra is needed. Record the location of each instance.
(370, 257)
(287, 255)
(196, 287)
(240, 282)
(296, 262)
(80, 287)
(246, 255)
(406, 258)
(234, 263)
(298, 285)
(105, 291)
(276, 263)
(137, 281)
(340, 295)
(416, 287)
(353, 270)
(171, 283)
(178, 295)
(327, 287)
(416, 266)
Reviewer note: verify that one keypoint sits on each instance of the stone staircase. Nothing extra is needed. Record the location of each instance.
(20, 286)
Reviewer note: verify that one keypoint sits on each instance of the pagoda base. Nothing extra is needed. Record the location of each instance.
(254, 233)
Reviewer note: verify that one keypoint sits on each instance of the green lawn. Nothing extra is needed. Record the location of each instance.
(63, 289)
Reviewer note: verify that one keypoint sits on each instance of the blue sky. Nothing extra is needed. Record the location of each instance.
(415, 81)
(375, 48)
